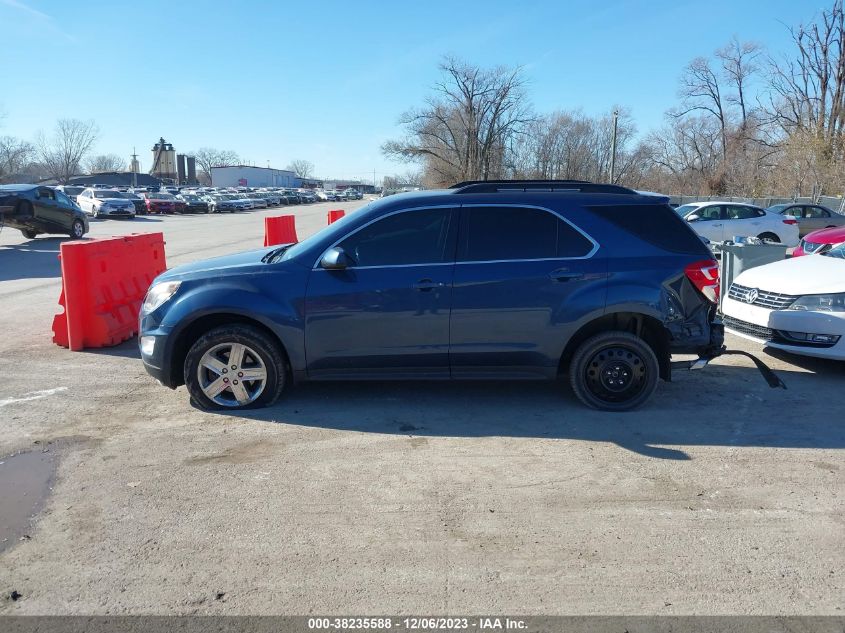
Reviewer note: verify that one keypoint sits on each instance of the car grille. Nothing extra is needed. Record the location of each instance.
(765, 299)
(750, 329)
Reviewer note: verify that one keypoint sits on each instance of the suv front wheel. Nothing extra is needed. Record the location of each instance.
(234, 367)
(614, 371)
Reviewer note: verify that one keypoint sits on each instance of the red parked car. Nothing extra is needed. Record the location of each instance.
(820, 241)
(159, 202)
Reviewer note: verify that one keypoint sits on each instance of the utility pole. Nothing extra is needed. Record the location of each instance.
(134, 168)
(613, 147)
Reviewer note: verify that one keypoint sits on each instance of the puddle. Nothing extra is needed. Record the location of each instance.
(25, 483)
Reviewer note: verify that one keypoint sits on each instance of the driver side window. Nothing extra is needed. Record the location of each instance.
(402, 239)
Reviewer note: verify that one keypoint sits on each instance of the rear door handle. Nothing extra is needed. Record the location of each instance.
(425, 285)
(565, 275)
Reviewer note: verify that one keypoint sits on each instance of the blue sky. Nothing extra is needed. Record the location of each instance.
(326, 81)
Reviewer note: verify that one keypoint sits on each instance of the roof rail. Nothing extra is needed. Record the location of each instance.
(561, 186)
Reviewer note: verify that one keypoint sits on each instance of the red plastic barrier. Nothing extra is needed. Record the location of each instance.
(335, 215)
(280, 230)
(103, 285)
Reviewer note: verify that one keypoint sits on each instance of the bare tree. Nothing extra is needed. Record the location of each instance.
(739, 64)
(701, 91)
(63, 152)
(15, 157)
(465, 128)
(208, 157)
(105, 163)
(302, 168)
(808, 93)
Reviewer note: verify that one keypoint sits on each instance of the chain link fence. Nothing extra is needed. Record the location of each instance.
(831, 202)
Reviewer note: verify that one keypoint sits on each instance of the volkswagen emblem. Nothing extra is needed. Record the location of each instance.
(751, 295)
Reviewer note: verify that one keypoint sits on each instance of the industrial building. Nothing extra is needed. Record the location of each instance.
(248, 176)
(164, 161)
(116, 179)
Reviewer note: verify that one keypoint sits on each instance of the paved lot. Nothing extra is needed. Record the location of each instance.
(722, 496)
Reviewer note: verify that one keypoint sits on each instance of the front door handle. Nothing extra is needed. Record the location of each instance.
(425, 285)
(717, 225)
(565, 275)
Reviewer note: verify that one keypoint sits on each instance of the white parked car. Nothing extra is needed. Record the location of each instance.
(100, 203)
(720, 221)
(797, 305)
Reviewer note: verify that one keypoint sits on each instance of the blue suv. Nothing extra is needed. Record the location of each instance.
(506, 280)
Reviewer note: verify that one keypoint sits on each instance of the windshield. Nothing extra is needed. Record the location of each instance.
(190, 198)
(687, 209)
(837, 251)
(161, 196)
(777, 208)
(107, 194)
(336, 228)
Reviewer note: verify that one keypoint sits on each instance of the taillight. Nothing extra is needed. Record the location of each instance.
(790, 221)
(704, 275)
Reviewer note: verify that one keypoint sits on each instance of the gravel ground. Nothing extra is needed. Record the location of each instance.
(721, 497)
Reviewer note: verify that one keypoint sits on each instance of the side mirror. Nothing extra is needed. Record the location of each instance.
(335, 259)
(693, 218)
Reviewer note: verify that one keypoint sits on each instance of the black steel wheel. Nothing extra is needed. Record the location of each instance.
(614, 371)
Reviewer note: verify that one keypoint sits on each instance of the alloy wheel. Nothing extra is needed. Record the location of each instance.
(232, 374)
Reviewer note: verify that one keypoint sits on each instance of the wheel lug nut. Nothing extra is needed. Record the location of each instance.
(225, 380)
(234, 366)
(225, 371)
(235, 381)
(240, 374)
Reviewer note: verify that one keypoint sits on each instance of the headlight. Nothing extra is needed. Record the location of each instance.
(158, 294)
(820, 303)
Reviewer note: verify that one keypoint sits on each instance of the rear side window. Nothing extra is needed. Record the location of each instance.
(511, 233)
(656, 224)
(742, 213)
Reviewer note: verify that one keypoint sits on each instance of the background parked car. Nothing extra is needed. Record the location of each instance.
(258, 201)
(160, 202)
(102, 203)
(720, 221)
(193, 203)
(820, 241)
(810, 217)
(35, 209)
(138, 200)
(796, 305)
(71, 191)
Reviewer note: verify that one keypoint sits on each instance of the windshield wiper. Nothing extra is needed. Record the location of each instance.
(271, 256)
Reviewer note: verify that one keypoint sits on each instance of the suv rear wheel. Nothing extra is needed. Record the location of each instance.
(234, 367)
(614, 371)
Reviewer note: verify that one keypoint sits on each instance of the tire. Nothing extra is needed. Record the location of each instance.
(262, 355)
(771, 237)
(29, 234)
(604, 363)
(77, 229)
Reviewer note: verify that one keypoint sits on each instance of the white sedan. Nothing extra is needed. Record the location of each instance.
(796, 305)
(721, 221)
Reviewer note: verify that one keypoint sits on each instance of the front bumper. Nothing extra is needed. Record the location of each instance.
(124, 212)
(154, 358)
(788, 330)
